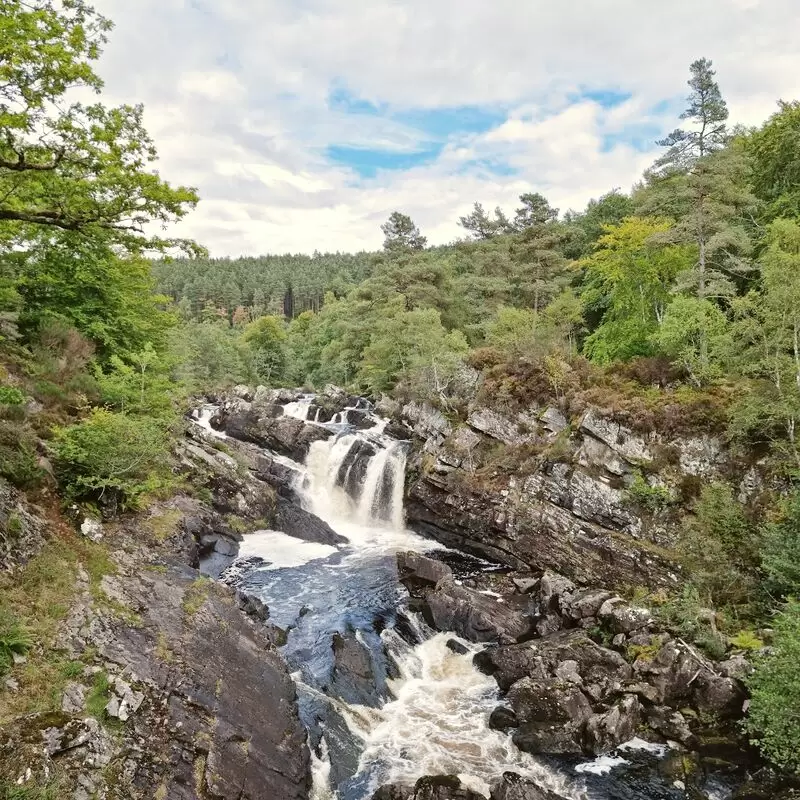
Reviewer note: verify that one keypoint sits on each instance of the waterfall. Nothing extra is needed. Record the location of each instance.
(299, 409)
(352, 478)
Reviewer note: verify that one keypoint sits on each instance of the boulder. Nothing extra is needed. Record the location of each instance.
(552, 716)
(295, 521)
(719, 696)
(286, 435)
(436, 787)
(418, 572)
(584, 603)
(605, 732)
(514, 787)
(623, 618)
(353, 679)
(503, 718)
(599, 668)
(472, 615)
(670, 724)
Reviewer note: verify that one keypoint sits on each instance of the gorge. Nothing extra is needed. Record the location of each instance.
(390, 695)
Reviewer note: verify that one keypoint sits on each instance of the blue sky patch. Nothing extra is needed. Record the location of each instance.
(367, 162)
(607, 98)
(440, 123)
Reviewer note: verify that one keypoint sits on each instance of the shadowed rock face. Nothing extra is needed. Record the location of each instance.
(219, 714)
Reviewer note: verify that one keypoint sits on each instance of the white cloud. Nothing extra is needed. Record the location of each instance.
(237, 97)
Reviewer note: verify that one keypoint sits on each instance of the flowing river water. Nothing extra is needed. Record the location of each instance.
(429, 709)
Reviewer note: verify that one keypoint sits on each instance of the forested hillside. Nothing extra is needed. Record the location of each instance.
(673, 306)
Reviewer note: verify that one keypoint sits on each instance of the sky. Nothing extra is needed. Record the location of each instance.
(305, 123)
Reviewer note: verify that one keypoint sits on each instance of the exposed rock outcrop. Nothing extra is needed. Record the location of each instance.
(565, 505)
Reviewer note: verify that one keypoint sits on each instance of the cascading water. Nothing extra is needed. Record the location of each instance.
(429, 708)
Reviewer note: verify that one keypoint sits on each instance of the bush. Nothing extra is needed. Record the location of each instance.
(781, 550)
(646, 497)
(13, 640)
(774, 718)
(11, 396)
(18, 461)
(111, 458)
(719, 548)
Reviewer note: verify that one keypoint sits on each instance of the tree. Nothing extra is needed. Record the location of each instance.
(694, 333)
(411, 347)
(266, 338)
(540, 268)
(72, 166)
(481, 226)
(780, 551)
(534, 211)
(401, 234)
(701, 182)
(628, 281)
(774, 715)
(708, 113)
(767, 332)
(775, 154)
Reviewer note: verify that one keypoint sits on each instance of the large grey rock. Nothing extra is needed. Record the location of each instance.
(435, 787)
(514, 787)
(472, 615)
(552, 716)
(418, 572)
(286, 435)
(353, 678)
(601, 669)
(620, 617)
(605, 732)
(301, 524)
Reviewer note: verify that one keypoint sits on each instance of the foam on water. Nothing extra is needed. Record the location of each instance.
(203, 416)
(437, 723)
(282, 551)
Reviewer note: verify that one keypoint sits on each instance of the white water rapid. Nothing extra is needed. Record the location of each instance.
(429, 711)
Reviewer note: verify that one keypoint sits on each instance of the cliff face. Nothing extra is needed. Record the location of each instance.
(165, 683)
(588, 497)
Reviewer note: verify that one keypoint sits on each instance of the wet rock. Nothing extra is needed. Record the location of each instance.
(551, 715)
(286, 435)
(353, 679)
(398, 431)
(605, 732)
(514, 787)
(252, 606)
(301, 524)
(503, 718)
(418, 572)
(457, 647)
(473, 615)
(437, 787)
(353, 469)
(525, 585)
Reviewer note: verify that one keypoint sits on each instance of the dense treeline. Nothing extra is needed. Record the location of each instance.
(687, 287)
